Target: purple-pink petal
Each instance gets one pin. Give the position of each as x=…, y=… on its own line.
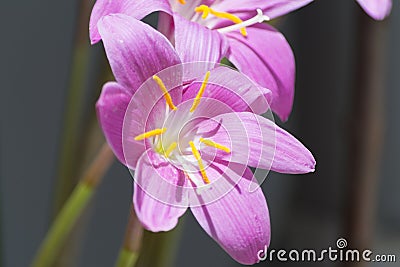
x=259, y=142
x=166, y=26
x=194, y=42
x=187, y=10
x=151, y=194
x=271, y=8
x=234, y=89
x=238, y=221
x=111, y=108
x=377, y=9
x=266, y=57
x=134, y=49
x=137, y=9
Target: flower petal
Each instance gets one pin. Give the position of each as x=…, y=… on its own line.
x=232, y=88
x=266, y=57
x=166, y=26
x=239, y=221
x=194, y=42
x=158, y=197
x=135, y=50
x=111, y=108
x=377, y=9
x=271, y=8
x=259, y=142
x=187, y=10
x=137, y=9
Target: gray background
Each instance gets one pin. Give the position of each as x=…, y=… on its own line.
x=306, y=211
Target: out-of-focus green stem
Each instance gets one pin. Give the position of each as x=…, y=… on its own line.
x=63, y=224
x=163, y=244
x=75, y=116
x=72, y=209
x=67, y=166
x=129, y=252
x=80, y=136
x=126, y=258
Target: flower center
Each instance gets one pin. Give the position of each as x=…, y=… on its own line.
x=162, y=137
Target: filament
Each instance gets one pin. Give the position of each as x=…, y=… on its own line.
x=167, y=96
x=259, y=18
x=196, y=100
x=197, y=156
x=214, y=144
x=223, y=15
x=150, y=134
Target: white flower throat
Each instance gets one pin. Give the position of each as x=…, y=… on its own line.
x=169, y=142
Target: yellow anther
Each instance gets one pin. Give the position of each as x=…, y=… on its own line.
x=167, y=96
x=223, y=15
x=196, y=100
x=210, y=143
x=182, y=2
x=197, y=156
x=150, y=134
x=170, y=149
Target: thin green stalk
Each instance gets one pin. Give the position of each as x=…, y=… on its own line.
x=75, y=115
x=72, y=209
x=69, y=160
x=63, y=224
x=127, y=258
x=80, y=125
x=129, y=252
x=163, y=245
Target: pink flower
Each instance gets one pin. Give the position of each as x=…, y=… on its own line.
x=377, y=9
x=189, y=131
x=208, y=30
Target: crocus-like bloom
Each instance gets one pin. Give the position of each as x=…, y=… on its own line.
x=208, y=30
x=189, y=138
x=377, y=9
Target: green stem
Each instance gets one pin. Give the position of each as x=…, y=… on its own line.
x=129, y=252
x=162, y=244
x=73, y=208
x=63, y=225
x=127, y=258
x=74, y=126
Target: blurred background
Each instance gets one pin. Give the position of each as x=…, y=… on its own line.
x=345, y=110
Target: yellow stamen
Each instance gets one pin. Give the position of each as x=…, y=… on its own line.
x=150, y=134
x=182, y=2
x=167, y=96
x=196, y=100
x=197, y=156
x=223, y=15
x=214, y=144
x=170, y=149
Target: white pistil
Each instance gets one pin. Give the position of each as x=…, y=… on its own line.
x=259, y=18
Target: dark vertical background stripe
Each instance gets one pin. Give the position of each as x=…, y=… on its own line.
x=307, y=211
